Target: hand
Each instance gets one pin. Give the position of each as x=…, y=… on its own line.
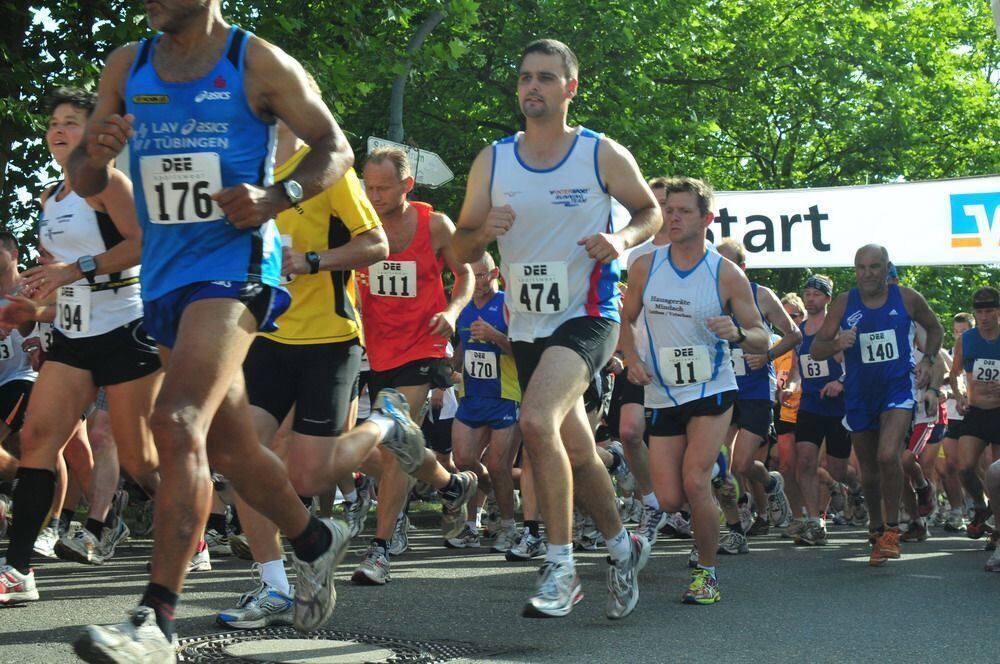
x=831, y=390
x=33, y=347
x=784, y=396
x=847, y=338
x=755, y=361
x=603, y=247
x=106, y=140
x=437, y=399
x=723, y=327
x=249, y=206
x=293, y=262
x=17, y=311
x=962, y=404
x=442, y=324
x=923, y=372
x=44, y=280
x=498, y=221
x=929, y=402
x=482, y=331
x=615, y=365
x=639, y=373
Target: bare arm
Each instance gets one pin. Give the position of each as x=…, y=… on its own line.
x=736, y=294
x=828, y=341
x=442, y=232
x=631, y=308
x=777, y=316
x=921, y=312
x=473, y=234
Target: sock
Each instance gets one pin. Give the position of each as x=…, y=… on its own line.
x=452, y=488
x=163, y=603
x=273, y=574
x=94, y=527
x=382, y=544
x=56, y=523
x=649, y=500
x=532, y=526
x=736, y=527
x=620, y=546
x=384, y=423
x=479, y=519
x=32, y=500
x=313, y=542
x=217, y=522
x=66, y=517
x=710, y=570
x=351, y=497
x=473, y=525
x=561, y=554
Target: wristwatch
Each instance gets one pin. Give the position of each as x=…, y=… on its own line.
x=313, y=259
x=88, y=266
x=743, y=335
x=770, y=356
x=293, y=191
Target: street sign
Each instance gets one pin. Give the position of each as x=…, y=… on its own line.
x=428, y=168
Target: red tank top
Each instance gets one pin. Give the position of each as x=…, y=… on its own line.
x=398, y=298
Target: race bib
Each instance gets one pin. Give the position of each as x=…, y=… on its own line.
x=481, y=364
x=45, y=336
x=393, y=278
x=73, y=309
x=878, y=346
x=538, y=288
x=179, y=187
x=986, y=370
x=813, y=369
x=6, y=348
x=685, y=365
x=739, y=363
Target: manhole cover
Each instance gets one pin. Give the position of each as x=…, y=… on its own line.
x=286, y=646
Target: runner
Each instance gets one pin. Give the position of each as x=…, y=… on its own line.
x=692, y=303
x=873, y=325
x=202, y=98
x=977, y=356
x=545, y=196
x=954, y=520
x=407, y=324
x=100, y=341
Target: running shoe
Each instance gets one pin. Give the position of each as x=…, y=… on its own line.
x=4, y=513
x=746, y=516
x=794, y=529
x=889, y=543
x=558, y=591
x=467, y=485
x=492, y=521
x=240, y=547
x=630, y=510
x=315, y=595
x=138, y=639
x=681, y=526
x=467, y=539
x=813, y=533
x=651, y=522
x=704, y=588
x=617, y=453
x=859, y=515
x=374, y=569
x=80, y=547
x=405, y=441
x=778, y=509
x=590, y=537
x=838, y=497
x=47, y=542
x=505, y=540
x=992, y=565
x=733, y=542
x=451, y=524
x=916, y=532
x=218, y=543
x=991, y=543
x=16, y=587
x=925, y=500
x=111, y=538
x=693, y=556
x=400, y=540
x=760, y=527
x=261, y=607
x=528, y=547
x=623, y=579
x=201, y=561
x=143, y=524
x=955, y=522
x=977, y=525
x=118, y=505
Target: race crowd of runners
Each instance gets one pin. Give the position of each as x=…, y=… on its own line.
x=290, y=338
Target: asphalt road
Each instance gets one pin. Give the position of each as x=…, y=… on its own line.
x=780, y=603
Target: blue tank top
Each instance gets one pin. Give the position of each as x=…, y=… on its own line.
x=486, y=371
x=814, y=376
x=754, y=383
x=192, y=140
x=981, y=357
x=883, y=353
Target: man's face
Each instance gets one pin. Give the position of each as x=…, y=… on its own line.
x=959, y=328
x=543, y=87
x=793, y=312
x=987, y=320
x=66, y=125
x=385, y=190
x=484, y=278
x=870, y=268
x=682, y=218
x=815, y=301
x=171, y=16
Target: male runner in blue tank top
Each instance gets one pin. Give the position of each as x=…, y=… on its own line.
x=873, y=325
x=199, y=101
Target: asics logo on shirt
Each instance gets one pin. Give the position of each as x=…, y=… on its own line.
x=209, y=95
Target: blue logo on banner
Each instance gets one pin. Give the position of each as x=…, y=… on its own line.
x=975, y=219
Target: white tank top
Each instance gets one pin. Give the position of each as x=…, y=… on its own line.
x=15, y=364
x=688, y=360
x=647, y=247
x=550, y=279
x=70, y=228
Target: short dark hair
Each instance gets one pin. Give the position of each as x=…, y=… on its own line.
x=962, y=317
x=8, y=241
x=679, y=185
x=85, y=100
x=555, y=47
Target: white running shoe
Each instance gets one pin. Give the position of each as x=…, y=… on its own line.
x=779, y=511
x=467, y=539
x=218, y=543
x=374, y=569
x=405, y=441
x=16, y=587
x=111, y=538
x=46, y=542
x=201, y=561
x=528, y=547
x=733, y=543
x=623, y=579
x=559, y=590
x=651, y=522
x=138, y=639
x=400, y=541
x=505, y=539
x=261, y=607
x=315, y=595
x=81, y=547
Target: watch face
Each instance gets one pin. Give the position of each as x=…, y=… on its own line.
x=294, y=190
x=88, y=264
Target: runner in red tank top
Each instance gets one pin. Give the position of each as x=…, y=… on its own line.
x=407, y=324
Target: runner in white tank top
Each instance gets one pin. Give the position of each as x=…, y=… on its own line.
x=545, y=195
x=685, y=294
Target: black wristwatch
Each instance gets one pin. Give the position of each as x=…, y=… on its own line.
x=88, y=266
x=313, y=259
x=743, y=335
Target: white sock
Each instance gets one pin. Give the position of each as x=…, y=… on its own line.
x=479, y=519
x=273, y=574
x=649, y=500
x=351, y=497
x=384, y=424
x=620, y=546
x=561, y=554
x=472, y=525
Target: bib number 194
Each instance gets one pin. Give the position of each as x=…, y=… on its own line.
x=73, y=309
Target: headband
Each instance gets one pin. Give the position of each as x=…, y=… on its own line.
x=821, y=285
x=986, y=304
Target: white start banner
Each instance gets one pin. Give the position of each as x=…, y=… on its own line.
x=939, y=222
